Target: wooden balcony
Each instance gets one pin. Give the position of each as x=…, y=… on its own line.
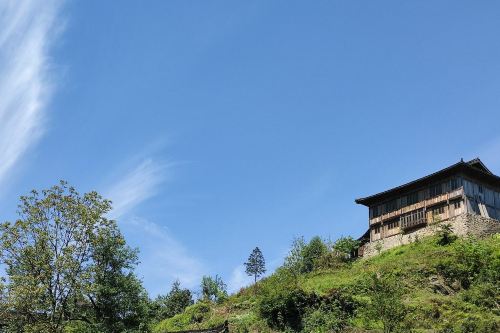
x=406, y=225
x=459, y=192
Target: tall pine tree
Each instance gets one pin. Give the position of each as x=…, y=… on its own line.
x=256, y=265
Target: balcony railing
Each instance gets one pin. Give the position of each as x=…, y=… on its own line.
x=421, y=204
x=405, y=225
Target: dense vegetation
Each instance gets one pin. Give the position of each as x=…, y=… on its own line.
x=438, y=284
x=69, y=269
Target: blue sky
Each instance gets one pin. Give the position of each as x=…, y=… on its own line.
x=218, y=126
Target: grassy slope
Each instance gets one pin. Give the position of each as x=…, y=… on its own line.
x=414, y=264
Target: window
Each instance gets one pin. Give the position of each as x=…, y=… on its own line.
x=377, y=229
x=393, y=224
x=390, y=206
x=412, y=198
x=454, y=183
x=375, y=211
x=480, y=189
x=438, y=210
x=457, y=204
x=435, y=190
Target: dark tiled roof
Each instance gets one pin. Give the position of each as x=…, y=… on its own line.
x=474, y=168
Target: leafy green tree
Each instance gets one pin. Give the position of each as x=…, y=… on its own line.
x=312, y=252
x=68, y=266
x=294, y=261
x=345, y=247
x=256, y=264
x=118, y=301
x=175, y=302
x=48, y=254
x=213, y=289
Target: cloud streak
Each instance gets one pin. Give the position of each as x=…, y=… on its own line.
x=28, y=28
x=163, y=258
x=137, y=186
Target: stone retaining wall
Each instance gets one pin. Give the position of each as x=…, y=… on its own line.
x=462, y=225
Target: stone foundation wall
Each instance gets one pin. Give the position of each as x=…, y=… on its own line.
x=462, y=225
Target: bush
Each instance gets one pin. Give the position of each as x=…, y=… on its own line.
x=194, y=315
x=330, y=260
x=386, y=303
x=332, y=313
x=285, y=309
x=470, y=261
x=213, y=289
x=484, y=295
x=445, y=235
x=297, y=310
x=324, y=319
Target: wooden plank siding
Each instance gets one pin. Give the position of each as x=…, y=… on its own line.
x=464, y=187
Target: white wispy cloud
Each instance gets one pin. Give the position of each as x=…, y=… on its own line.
x=27, y=29
x=138, y=185
x=163, y=259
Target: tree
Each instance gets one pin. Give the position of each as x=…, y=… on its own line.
x=67, y=264
x=294, y=261
x=312, y=252
x=118, y=301
x=175, y=302
x=256, y=264
x=345, y=247
x=48, y=254
x=213, y=289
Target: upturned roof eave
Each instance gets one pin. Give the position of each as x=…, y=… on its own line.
x=455, y=168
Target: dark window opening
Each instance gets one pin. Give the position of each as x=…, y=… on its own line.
x=412, y=198
x=454, y=183
x=438, y=210
x=390, y=206
x=436, y=190
x=393, y=224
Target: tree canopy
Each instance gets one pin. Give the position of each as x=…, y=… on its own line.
x=67, y=264
x=256, y=264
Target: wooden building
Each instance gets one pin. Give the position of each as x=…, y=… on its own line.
x=462, y=188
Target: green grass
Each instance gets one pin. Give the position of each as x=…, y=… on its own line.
x=413, y=264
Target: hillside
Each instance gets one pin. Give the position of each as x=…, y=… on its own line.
x=420, y=287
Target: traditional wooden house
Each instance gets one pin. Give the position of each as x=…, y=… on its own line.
x=466, y=194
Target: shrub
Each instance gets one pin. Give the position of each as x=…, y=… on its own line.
x=330, y=260
x=445, y=235
x=470, y=260
x=324, y=319
x=193, y=315
x=285, y=309
x=386, y=303
x=213, y=289
x=297, y=310
x=483, y=294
